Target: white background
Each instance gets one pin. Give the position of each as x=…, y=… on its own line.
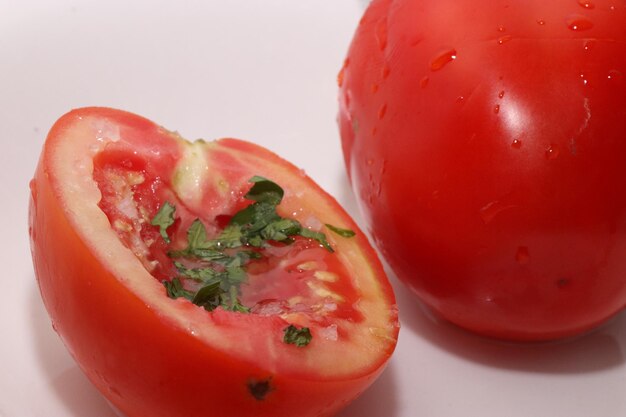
x=262, y=70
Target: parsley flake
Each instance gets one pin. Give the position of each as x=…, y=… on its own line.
x=218, y=266
x=174, y=289
x=164, y=219
x=341, y=232
x=299, y=337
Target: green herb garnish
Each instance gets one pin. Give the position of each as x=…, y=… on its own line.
x=219, y=265
x=164, y=219
x=341, y=232
x=299, y=337
x=174, y=289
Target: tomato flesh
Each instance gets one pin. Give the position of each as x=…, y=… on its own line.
x=102, y=177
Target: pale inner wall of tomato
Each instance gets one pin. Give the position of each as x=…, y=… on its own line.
x=301, y=282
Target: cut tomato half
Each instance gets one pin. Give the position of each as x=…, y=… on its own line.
x=205, y=278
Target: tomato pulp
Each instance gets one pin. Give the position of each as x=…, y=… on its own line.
x=485, y=143
x=170, y=296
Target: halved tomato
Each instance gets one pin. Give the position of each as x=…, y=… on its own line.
x=203, y=279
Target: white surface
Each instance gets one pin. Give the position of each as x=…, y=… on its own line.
x=263, y=70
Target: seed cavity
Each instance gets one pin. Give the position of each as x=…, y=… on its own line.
x=308, y=266
x=321, y=291
x=326, y=276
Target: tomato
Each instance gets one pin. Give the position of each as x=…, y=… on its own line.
x=485, y=143
x=127, y=220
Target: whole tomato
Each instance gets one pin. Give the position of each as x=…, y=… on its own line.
x=486, y=143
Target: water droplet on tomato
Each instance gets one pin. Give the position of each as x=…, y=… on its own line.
x=383, y=168
x=586, y=4
x=114, y=391
x=370, y=162
x=522, y=256
x=589, y=44
x=504, y=39
x=501, y=94
x=55, y=327
x=584, y=79
x=516, y=143
x=496, y=109
x=541, y=22
x=491, y=210
x=342, y=72
x=385, y=71
x=415, y=41
x=615, y=76
x=553, y=152
x=355, y=125
x=382, y=111
x=340, y=77
x=424, y=82
x=501, y=29
x=579, y=23
x=381, y=33
x=460, y=99
x=611, y=7
x=442, y=59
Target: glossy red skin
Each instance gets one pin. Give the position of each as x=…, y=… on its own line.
x=143, y=365
x=493, y=182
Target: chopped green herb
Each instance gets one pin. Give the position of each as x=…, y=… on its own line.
x=209, y=296
x=319, y=236
x=174, y=289
x=281, y=230
x=236, y=274
x=341, y=232
x=164, y=219
x=231, y=302
x=196, y=236
x=265, y=191
x=299, y=337
x=197, y=274
x=229, y=238
x=220, y=264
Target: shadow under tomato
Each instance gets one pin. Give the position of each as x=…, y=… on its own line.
x=599, y=350
x=379, y=400
x=66, y=380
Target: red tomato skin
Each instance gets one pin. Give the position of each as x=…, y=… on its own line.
x=140, y=362
x=485, y=143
